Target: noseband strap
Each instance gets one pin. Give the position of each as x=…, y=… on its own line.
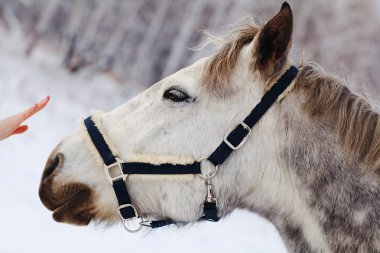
x=126, y=209
x=233, y=140
x=162, y=169
x=99, y=142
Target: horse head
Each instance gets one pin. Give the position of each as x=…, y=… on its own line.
x=289, y=170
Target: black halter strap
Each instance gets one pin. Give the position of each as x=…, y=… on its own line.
x=237, y=137
x=233, y=140
x=126, y=209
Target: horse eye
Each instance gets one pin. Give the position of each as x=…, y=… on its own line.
x=175, y=95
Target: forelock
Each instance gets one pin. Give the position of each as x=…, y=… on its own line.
x=219, y=68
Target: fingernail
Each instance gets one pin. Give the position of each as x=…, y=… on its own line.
x=45, y=100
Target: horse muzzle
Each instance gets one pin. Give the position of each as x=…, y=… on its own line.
x=70, y=202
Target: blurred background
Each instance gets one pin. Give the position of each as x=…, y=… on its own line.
x=98, y=54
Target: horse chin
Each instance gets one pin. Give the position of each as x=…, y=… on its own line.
x=78, y=210
x=71, y=203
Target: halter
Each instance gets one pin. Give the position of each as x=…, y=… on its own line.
x=233, y=140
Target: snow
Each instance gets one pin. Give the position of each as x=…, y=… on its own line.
x=26, y=225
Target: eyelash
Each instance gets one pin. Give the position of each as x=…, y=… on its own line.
x=175, y=95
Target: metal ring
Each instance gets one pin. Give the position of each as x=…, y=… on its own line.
x=138, y=224
x=212, y=173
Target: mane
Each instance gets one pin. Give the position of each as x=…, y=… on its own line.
x=219, y=68
x=355, y=121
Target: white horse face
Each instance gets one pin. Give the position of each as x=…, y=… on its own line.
x=177, y=120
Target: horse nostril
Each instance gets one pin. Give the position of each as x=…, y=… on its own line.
x=51, y=165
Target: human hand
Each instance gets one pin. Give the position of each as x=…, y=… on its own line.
x=12, y=125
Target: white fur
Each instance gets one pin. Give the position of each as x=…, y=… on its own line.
x=152, y=129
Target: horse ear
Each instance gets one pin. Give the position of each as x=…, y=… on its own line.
x=274, y=42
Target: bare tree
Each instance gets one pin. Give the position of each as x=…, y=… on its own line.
x=142, y=41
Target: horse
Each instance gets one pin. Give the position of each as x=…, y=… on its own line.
x=310, y=165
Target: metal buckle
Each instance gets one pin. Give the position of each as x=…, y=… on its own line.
x=246, y=127
x=133, y=224
x=134, y=210
x=119, y=165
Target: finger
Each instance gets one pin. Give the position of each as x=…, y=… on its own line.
x=20, y=129
x=35, y=108
x=41, y=105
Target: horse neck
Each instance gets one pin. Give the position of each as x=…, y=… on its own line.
x=319, y=199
